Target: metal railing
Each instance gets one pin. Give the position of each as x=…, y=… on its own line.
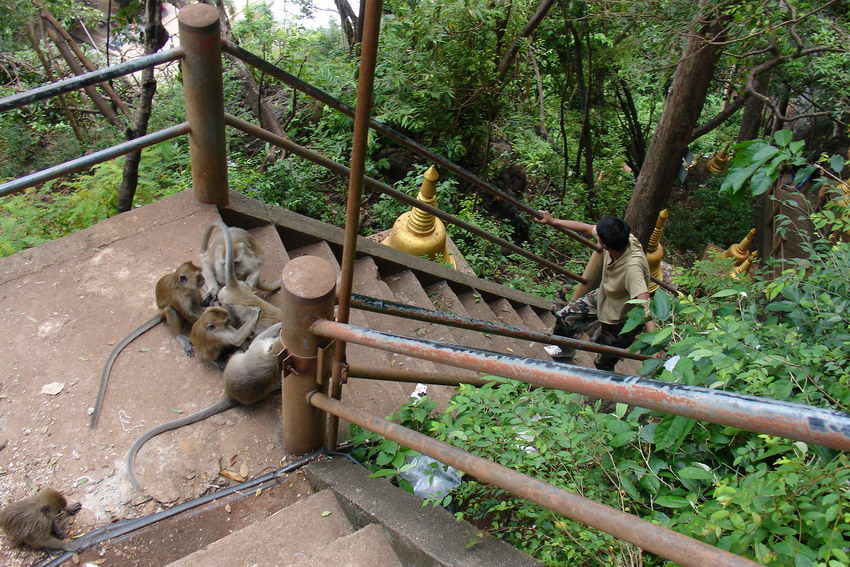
x=312, y=381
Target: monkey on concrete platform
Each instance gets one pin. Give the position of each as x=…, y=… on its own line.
x=238, y=297
x=249, y=377
x=248, y=258
x=179, y=304
x=214, y=335
x=32, y=521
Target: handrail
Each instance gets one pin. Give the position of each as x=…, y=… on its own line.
x=826, y=427
x=656, y=539
x=385, y=306
x=88, y=79
x=85, y=162
x=343, y=170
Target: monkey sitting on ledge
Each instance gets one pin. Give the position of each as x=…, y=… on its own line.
x=32, y=521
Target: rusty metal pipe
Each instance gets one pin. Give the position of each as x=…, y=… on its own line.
x=95, y=77
x=830, y=428
x=359, y=147
x=94, y=158
x=200, y=38
x=646, y=535
x=342, y=170
x=375, y=305
x=396, y=375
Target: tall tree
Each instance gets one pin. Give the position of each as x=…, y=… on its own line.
x=155, y=37
x=682, y=107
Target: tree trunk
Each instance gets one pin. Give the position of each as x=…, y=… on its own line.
x=348, y=22
x=250, y=90
x=75, y=67
x=527, y=30
x=155, y=38
x=49, y=72
x=751, y=117
x=682, y=108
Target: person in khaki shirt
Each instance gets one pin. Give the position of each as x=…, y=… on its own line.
x=625, y=276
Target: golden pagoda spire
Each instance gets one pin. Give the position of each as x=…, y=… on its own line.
x=655, y=251
x=419, y=233
x=740, y=251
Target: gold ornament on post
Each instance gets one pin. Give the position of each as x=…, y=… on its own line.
x=655, y=251
x=741, y=251
x=744, y=268
x=419, y=233
x=719, y=162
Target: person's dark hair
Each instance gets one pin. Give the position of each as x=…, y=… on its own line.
x=613, y=232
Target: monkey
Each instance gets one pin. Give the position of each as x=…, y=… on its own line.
x=238, y=297
x=179, y=304
x=213, y=335
x=248, y=257
x=32, y=521
x=249, y=377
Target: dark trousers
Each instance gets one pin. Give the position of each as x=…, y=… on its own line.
x=580, y=315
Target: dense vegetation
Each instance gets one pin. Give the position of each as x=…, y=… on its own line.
x=571, y=113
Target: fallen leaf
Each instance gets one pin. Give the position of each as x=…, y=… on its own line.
x=509, y=349
x=145, y=349
x=3, y=396
x=233, y=460
x=53, y=388
x=228, y=508
x=243, y=470
x=84, y=359
x=33, y=319
x=259, y=491
x=177, y=410
x=326, y=513
x=232, y=476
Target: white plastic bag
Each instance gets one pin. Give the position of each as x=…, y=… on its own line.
x=429, y=477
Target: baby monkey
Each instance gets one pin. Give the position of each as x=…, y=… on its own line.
x=32, y=521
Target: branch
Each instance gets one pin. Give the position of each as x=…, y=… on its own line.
x=529, y=28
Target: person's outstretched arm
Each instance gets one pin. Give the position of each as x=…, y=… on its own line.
x=575, y=226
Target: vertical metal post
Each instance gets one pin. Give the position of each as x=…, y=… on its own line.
x=308, y=287
x=200, y=38
x=362, y=114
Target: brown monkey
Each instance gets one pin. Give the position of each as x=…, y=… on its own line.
x=213, y=334
x=248, y=257
x=179, y=304
x=249, y=377
x=32, y=521
x=238, y=297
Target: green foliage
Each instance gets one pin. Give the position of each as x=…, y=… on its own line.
x=59, y=208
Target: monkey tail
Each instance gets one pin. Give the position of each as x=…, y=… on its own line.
x=262, y=286
x=107, y=368
x=218, y=407
x=205, y=242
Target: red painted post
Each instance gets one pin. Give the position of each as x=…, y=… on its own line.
x=200, y=38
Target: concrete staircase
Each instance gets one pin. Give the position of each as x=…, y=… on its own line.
x=354, y=521
x=388, y=274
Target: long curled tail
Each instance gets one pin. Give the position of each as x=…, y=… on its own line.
x=107, y=368
x=218, y=407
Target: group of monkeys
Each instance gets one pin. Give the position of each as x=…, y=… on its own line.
x=214, y=312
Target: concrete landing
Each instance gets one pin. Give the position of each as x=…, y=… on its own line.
x=63, y=306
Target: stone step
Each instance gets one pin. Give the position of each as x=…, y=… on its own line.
x=276, y=257
x=407, y=289
x=295, y=533
x=478, y=309
x=443, y=298
x=506, y=314
x=531, y=320
x=367, y=547
x=320, y=248
x=421, y=535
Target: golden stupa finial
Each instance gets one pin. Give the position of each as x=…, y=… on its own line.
x=419, y=233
